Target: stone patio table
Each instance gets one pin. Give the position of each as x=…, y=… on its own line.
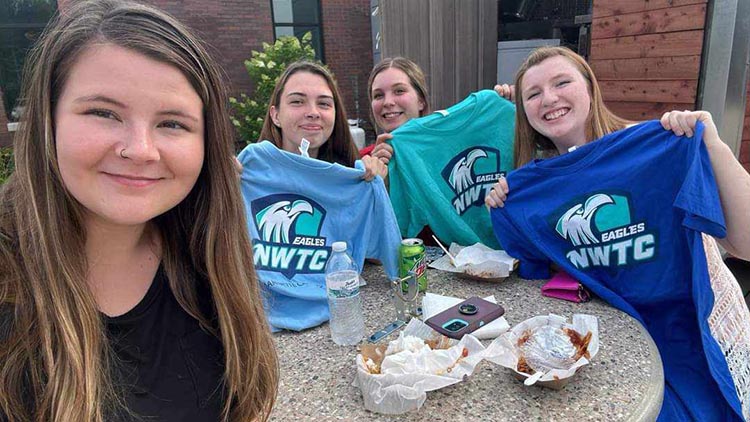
x=624, y=382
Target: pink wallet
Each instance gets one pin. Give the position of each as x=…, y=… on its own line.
x=563, y=286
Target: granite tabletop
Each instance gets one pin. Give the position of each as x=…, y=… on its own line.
x=624, y=382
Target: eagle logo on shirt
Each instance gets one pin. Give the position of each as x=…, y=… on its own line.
x=575, y=224
x=276, y=220
x=288, y=236
x=601, y=232
x=461, y=177
x=470, y=175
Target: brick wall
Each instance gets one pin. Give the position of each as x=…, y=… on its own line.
x=347, y=47
x=4, y=135
x=231, y=28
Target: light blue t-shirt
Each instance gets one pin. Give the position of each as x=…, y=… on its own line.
x=296, y=208
x=444, y=164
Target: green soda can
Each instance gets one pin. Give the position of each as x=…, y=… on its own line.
x=412, y=258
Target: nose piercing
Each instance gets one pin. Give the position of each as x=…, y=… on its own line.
x=122, y=154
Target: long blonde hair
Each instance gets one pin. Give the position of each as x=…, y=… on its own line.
x=529, y=143
x=340, y=147
x=55, y=362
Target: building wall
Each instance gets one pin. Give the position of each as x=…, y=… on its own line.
x=455, y=46
x=745, y=145
x=347, y=46
x=647, y=54
x=232, y=28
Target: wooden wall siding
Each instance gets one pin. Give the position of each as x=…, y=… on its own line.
x=650, y=68
x=646, y=54
x=617, y=8
x=659, y=91
x=671, y=19
x=673, y=44
x=454, y=42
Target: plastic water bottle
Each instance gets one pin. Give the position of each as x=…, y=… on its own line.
x=342, y=283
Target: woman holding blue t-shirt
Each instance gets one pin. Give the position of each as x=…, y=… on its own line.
x=306, y=104
x=559, y=109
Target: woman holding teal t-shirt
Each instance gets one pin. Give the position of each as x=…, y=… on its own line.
x=398, y=93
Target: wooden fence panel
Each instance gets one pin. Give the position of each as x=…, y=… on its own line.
x=622, y=7
x=647, y=54
x=687, y=43
x=466, y=39
x=678, y=91
x=651, y=68
x=672, y=19
x=442, y=52
x=488, y=53
x=640, y=111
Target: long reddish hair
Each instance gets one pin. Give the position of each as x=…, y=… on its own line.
x=529, y=143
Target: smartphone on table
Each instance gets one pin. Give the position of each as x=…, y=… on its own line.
x=465, y=317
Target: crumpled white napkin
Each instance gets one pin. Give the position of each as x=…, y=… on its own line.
x=433, y=304
x=476, y=260
x=408, y=376
x=479, y=253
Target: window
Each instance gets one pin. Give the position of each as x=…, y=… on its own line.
x=21, y=23
x=297, y=17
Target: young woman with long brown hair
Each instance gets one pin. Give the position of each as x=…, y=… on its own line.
x=564, y=82
x=127, y=288
x=397, y=89
x=696, y=315
x=306, y=104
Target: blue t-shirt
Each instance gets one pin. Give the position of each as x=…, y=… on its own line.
x=623, y=215
x=444, y=164
x=296, y=208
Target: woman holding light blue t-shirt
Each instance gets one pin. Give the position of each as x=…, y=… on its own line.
x=306, y=104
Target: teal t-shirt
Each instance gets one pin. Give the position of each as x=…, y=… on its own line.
x=446, y=162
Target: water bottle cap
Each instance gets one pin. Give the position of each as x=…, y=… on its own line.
x=339, y=246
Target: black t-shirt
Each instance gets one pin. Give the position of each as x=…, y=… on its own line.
x=167, y=366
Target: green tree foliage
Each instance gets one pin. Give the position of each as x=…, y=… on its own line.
x=264, y=69
x=6, y=164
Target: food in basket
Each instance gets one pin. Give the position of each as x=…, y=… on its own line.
x=547, y=347
x=373, y=357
